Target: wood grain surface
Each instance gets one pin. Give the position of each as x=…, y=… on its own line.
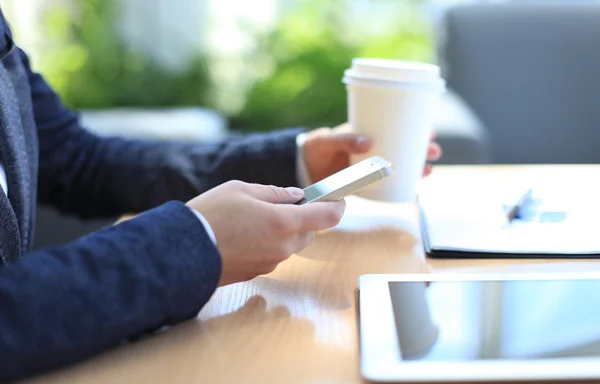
x=299, y=324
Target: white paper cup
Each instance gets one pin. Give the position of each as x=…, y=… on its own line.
x=392, y=102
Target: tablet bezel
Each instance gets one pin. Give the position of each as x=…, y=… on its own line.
x=380, y=358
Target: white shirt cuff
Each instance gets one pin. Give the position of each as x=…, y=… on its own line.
x=301, y=171
x=3, y=182
x=206, y=225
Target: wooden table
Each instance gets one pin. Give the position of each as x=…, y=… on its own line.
x=299, y=324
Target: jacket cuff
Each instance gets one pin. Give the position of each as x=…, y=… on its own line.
x=291, y=170
x=266, y=158
x=191, y=268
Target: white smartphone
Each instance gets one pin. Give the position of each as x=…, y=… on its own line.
x=348, y=181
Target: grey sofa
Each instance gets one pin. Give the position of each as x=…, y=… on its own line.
x=460, y=132
x=531, y=74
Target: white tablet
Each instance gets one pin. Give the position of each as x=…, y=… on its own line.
x=480, y=327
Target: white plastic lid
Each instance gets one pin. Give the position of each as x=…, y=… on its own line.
x=393, y=70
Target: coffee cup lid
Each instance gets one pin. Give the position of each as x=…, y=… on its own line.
x=393, y=70
x=437, y=85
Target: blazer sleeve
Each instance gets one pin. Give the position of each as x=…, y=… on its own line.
x=93, y=176
x=66, y=304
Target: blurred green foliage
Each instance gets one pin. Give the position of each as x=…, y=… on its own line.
x=307, y=53
x=91, y=67
x=295, y=69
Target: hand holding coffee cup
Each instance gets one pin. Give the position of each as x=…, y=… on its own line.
x=392, y=102
x=329, y=150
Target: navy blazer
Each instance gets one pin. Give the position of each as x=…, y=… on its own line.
x=65, y=304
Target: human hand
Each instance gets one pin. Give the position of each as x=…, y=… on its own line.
x=327, y=151
x=434, y=152
x=259, y=226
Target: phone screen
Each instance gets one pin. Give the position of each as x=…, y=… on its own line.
x=344, y=178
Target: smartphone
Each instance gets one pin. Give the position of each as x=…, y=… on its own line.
x=348, y=181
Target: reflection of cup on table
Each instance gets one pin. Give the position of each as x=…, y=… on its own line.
x=417, y=333
x=392, y=102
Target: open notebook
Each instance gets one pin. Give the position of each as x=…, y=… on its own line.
x=561, y=221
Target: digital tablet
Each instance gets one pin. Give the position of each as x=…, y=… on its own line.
x=540, y=327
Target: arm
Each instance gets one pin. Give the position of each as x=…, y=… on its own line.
x=68, y=303
x=92, y=176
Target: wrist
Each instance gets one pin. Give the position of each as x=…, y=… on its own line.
x=302, y=175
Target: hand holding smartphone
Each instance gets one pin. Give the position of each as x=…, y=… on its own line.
x=348, y=181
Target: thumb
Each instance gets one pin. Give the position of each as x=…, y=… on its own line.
x=276, y=195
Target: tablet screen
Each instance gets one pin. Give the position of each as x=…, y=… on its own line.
x=471, y=320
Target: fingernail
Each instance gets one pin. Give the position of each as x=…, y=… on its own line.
x=295, y=192
x=362, y=141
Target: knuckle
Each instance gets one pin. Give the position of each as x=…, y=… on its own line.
x=269, y=268
x=235, y=184
x=338, y=213
x=282, y=224
x=275, y=192
x=281, y=254
x=289, y=248
x=306, y=239
x=277, y=223
x=332, y=218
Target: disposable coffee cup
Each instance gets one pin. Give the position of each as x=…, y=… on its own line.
x=393, y=102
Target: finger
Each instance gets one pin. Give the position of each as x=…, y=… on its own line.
x=319, y=132
x=348, y=142
x=254, y=306
x=259, y=270
x=304, y=240
x=268, y=269
x=434, y=152
x=427, y=170
x=319, y=216
x=300, y=242
x=279, y=313
x=275, y=195
x=343, y=128
x=433, y=135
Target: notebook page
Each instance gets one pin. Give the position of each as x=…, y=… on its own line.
x=475, y=220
